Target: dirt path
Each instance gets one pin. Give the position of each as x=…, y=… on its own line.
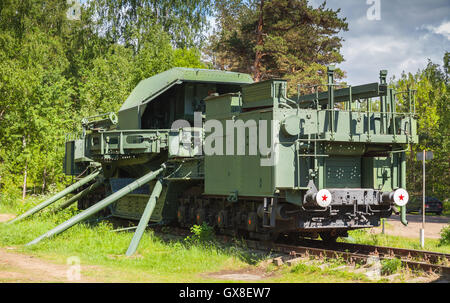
x=6, y=217
x=17, y=267
x=433, y=226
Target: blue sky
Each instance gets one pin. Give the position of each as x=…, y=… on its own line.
x=407, y=34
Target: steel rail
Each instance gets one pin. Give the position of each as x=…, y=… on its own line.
x=352, y=257
x=349, y=252
x=356, y=253
x=385, y=251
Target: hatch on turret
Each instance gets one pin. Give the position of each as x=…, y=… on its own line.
x=175, y=94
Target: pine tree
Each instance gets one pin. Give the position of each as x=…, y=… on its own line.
x=278, y=39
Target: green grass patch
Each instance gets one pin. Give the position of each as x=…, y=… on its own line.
x=302, y=268
x=390, y=266
x=303, y=272
x=363, y=236
x=97, y=244
x=158, y=260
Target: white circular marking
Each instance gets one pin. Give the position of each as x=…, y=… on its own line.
x=401, y=197
x=323, y=197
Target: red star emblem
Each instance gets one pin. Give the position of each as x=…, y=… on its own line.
x=401, y=197
x=324, y=197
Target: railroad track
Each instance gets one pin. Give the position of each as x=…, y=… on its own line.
x=359, y=253
x=388, y=252
x=350, y=252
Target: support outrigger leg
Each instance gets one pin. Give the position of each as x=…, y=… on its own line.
x=145, y=218
x=56, y=197
x=99, y=205
x=80, y=195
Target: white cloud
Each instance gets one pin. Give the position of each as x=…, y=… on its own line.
x=404, y=39
x=366, y=55
x=443, y=29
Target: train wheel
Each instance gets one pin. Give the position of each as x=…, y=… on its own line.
x=181, y=215
x=200, y=216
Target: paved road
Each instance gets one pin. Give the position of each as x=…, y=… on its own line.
x=428, y=218
x=433, y=226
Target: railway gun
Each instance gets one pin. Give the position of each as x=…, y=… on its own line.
x=190, y=146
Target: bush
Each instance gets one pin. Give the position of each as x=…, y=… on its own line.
x=446, y=207
x=445, y=236
x=390, y=266
x=202, y=235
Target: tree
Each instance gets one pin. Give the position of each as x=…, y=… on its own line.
x=34, y=104
x=54, y=71
x=129, y=21
x=278, y=39
x=433, y=114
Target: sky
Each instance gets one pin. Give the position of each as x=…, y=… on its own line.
x=397, y=35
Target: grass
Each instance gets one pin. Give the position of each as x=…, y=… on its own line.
x=156, y=260
x=390, y=266
x=97, y=245
x=329, y=272
x=363, y=236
